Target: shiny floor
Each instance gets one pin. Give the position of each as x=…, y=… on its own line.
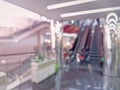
x=71, y=77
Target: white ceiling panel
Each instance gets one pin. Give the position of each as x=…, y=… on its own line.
x=40, y=7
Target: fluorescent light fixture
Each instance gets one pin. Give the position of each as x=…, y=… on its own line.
x=90, y=11
x=66, y=4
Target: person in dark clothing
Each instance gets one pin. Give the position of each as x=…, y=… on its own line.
x=98, y=21
x=102, y=62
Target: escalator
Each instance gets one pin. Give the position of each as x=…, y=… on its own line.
x=76, y=44
x=96, y=50
x=95, y=47
x=88, y=45
x=81, y=43
x=84, y=44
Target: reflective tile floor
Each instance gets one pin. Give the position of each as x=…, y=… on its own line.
x=71, y=77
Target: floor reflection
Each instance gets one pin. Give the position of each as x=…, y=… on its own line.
x=72, y=78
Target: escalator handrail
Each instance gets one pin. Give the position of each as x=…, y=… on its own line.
x=78, y=42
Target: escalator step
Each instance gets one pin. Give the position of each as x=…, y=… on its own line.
x=95, y=52
x=94, y=55
x=94, y=62
x=95, y=59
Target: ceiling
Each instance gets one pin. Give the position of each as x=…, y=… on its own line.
x=39, y=7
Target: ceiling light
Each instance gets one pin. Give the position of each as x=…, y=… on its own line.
x=90, y=11
x=66, y=4
x=3, y=61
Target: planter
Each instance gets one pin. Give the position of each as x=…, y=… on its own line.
x=3, y=81
x=42, y=70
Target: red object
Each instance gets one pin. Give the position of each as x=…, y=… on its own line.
x=81, y=58
x=66, y=55
x=71, y=29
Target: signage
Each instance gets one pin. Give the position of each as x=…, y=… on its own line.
x=112, y=20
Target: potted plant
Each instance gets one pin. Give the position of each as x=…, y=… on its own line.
x=39, y=58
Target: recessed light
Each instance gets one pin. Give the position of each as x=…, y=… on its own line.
x=3, y=61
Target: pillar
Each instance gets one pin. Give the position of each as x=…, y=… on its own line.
x=59, y=44
x=111, y=51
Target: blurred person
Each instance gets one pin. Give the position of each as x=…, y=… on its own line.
x=78, y=57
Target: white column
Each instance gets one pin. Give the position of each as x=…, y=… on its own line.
x=59, y=43
x=52, y=28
